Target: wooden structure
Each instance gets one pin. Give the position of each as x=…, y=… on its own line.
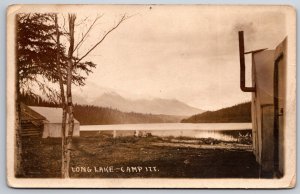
x=43, y=122
x=53, y=121
x=268, y=105
x=32, y=123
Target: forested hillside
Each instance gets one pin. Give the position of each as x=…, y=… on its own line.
x=240, y=113
x=93, y=115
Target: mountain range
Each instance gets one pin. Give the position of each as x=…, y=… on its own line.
x=146, y=106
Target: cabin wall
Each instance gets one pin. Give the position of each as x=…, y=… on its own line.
x=267, y=141
x=263, y=109
x=54, y=130
x=282, y=65
x=255, y=118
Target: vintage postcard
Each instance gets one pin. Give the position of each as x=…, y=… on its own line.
x=151, y=96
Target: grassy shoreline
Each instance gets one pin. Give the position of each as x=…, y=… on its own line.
x=148, y=157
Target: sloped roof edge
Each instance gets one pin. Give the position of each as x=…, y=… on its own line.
x=52, y=114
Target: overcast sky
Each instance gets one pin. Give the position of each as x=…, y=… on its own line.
x=180, y=52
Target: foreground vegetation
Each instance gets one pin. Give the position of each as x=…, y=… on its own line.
x=95, y=155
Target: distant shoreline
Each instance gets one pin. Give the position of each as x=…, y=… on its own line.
x=168, y=126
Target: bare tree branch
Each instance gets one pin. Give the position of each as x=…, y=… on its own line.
x=82, y=21
x=79, y=45
x=102, y=39
x=64, y=24
x=87, y=32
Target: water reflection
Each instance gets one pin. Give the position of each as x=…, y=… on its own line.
x=220, y=131
x=234, y=135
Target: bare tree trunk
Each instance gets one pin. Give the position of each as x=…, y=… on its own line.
x=18, y=143
x=69, y=103
x=72, y=18
x=18, y=147
x=63, y=102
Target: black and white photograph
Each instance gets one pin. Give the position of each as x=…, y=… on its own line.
x=151, y=96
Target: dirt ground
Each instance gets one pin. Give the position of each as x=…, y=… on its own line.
x=98, y=155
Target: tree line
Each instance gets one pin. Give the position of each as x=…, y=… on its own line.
x=240, y=113
x=102, y=115
x=94, y=115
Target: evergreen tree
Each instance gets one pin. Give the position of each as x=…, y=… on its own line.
x=36, y=54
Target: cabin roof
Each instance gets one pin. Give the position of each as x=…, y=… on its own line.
x=52, y=114
x=29, y=114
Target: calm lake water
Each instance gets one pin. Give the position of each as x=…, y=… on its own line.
x=221, y=131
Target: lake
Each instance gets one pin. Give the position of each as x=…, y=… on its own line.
x=221, y=131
